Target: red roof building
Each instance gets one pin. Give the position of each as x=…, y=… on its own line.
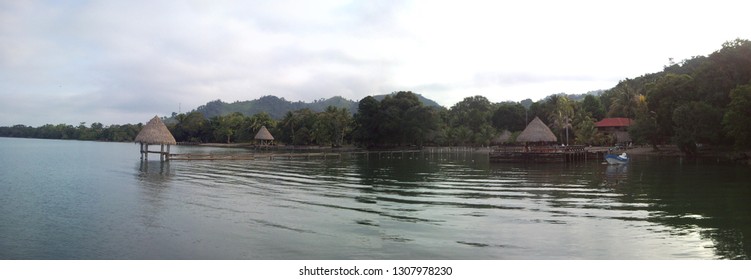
x=617, y=128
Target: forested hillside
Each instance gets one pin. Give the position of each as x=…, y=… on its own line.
x=702, y=100
x=277, y=107
x=274, y=106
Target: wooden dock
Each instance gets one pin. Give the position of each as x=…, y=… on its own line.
x=498, y=154
x=308, y=155
x=250, y=156
x=539, y=154
x=211, y=157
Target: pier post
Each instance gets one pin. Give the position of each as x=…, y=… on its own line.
x=167, y=156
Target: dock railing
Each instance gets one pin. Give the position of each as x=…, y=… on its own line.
x=540, y=149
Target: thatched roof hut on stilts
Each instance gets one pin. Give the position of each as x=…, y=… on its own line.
x=264, y=137
x=155, y=132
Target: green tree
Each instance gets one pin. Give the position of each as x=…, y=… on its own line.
x=509, y=116
x=561, y=116
x=593, y=106
x=644, y=129
x=586, y=131
x=665, y=95
x=475, y=113
x=696, y=122
x=296, y=127
x=394, y=110
x=225, y=127
x=423, y=125
x=398, y=119
x=737, y=119
x=624, y=99
x=723, y=71
x=332, y=126
x=367, y=122
x=191, y=127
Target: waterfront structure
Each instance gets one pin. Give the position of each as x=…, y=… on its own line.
x=540, y=145
x=155, y=132
x=536, y=132
x=264, y=137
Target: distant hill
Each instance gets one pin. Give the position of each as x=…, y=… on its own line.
x=572, y=97
x=580, y=97
x=425, y=101
x=276, y=107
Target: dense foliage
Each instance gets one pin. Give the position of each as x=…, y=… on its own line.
x=119, y=133
x=277, y=107
x=705, y=100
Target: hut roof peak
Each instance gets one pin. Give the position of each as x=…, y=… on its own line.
x=537, y=131
x=264, y=134
x=155, y=132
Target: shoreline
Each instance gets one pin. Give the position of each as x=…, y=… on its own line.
x=670, y=151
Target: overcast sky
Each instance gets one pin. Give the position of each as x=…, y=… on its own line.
x=118, y=62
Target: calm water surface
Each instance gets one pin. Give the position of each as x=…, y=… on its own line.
x=91, y=200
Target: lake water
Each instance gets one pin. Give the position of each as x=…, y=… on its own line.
x=91, y=200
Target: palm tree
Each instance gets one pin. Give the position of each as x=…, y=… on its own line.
x=625, y=100
x=562, y=115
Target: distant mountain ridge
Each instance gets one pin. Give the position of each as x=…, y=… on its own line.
x=276, y=107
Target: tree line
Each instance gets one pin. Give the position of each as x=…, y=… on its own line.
x=705, y=100
x=95, y=131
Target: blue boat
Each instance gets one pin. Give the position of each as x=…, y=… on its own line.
x=617, y=159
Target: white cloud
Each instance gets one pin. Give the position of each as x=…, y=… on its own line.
x=124, y=61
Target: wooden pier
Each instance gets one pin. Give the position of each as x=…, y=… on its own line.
x=498, y=154
x=250, y=156
x=539, y=154
x=413, y=153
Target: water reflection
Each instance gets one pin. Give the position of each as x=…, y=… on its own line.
x=703, y=197
x=153, y=171
x=615, y=175
x=153, y=178
x=454, y=206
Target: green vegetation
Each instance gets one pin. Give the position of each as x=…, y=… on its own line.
x=119, y=133
x=399, y=119
x=277, y=107
x=702, y=101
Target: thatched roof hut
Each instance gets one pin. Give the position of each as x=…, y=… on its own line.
x=155, y=132
x=264, y=136
x=536, y=131
x=504, y=137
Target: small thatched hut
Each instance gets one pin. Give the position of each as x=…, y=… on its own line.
x=155, y=132
x=264, y=137
x=536, y=131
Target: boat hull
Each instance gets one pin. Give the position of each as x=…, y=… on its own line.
x=614, y=159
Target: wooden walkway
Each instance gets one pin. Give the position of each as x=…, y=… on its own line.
x=250, y=156
x=539, y=154
x=411, y=153
x=499, y=154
